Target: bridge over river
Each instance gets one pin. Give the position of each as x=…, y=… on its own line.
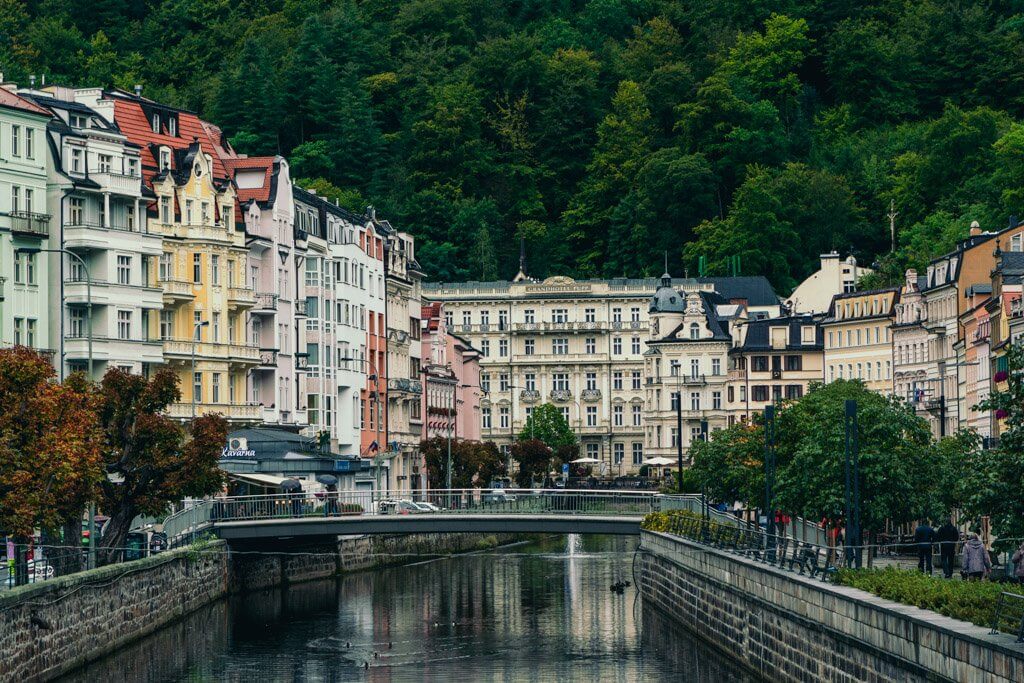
x=305, y=515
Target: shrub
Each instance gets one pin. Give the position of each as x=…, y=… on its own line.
x=972, y=601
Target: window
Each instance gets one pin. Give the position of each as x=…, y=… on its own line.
x=617, y=380
x=485, y=418
x=124, y=269
x=694, y=400
x=636, y=380
x=759, y=392
x=129, y=217
x=165, y=210
x=794, y=391
x=636, y=414
x=591, y=381
x=503, y=383
x=617, y=415
x=638, y=453
x=29, y=197
x=77, y=121
x=485, y=317
x=759, y=363
x=634, y=314
x=30, y=332
x=589, y=315
x=15, y=198
x=716, y=366
x=172, y=126
x=503, y=417
x=105, y=163
x=616, y=315
x=564, y=410
x=529, y=346
x=636, y=346
x=560, y=315
x=76, y=323
x=189, y=211
x=560, y=381
x=592, y=416
x=30, y=143
x=485, y=381
x=16, y=141
x=30, y=269
x=673, y=368
x=165, y=159
x=124, y=324
x=467, y=318
x=197, y=268
x=794, y=363
x=716, y=400
x=216, y=326
x=133, y=167
x=166, y=324
x=204, y=213
x=503, y=347
x=617, y=345
x=76, y=160
x=502, y=320
x=154, y=123
x=694, y=331
x=619, y=452
x=591, y=345
x=215, y=387
x=19, y=331
x=528, y=316
x=530, y=380
x=559, y=347
x=694, y=368
x=215, y=270
x=674, y=437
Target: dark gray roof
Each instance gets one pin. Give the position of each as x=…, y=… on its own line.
x=755, y=289
x=270, y=443
x=1012, y=262
x=758, y=336
x=666, y=299
x=716, y=324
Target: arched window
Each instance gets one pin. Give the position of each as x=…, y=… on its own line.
x=694, y=331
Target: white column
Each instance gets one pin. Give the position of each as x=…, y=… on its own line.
x=106, y=209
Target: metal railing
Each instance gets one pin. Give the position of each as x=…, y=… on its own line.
x=29, y=223
x=1008, y=615
x=439, y=501
x=185, y=525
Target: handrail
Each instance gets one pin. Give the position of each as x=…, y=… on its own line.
x=998, y=615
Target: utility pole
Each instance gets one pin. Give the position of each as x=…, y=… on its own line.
x=679, y=438
x=769, y=480
x=852, y=469
x=892, y=225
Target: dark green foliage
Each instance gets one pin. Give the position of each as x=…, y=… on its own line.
x=603, y=132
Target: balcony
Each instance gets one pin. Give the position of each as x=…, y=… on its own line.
x=302, y=362
x=265, y=304
x=244, y=353
x=213, y=232
x=1017, y=308
x=178, y=290
x=628, y=325
x=234, y=412
x=403, y=385
x=117, y=183
x=529, y=395
x=30, y=224
x=301, y=309
x=241, y=297
x=590, y=395
x=268, y=358
x=560, y=395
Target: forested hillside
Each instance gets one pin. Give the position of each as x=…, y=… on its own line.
x=602, y=131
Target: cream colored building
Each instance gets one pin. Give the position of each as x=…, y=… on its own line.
x=577, y=344
x=814, y=295
x=910, y=345
x=857, y=338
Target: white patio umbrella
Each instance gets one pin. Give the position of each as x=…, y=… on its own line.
x=659, y=461
x=585, y=461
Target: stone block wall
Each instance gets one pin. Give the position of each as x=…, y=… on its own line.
x=787, y=627
x=52, y=627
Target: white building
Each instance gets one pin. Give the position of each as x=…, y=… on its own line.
x=95, y=189
x=814, y=295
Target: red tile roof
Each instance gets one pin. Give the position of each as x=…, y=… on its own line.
x=265, y=164
x=133, y=123
x=13, y=101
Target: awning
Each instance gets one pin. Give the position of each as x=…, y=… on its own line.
x=659, y=461
x=258, y=479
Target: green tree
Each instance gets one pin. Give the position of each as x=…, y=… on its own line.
x=534, y=460
x=547, y=424
x=474, y=463
x=730, y=466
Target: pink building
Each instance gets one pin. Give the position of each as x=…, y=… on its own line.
x=451, y=372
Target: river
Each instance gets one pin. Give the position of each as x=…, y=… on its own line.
x=541, y=611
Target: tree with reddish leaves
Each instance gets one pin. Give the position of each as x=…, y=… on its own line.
x=151, y=460
x=50, y=448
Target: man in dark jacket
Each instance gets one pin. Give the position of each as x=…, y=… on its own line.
x=947, y=536
x=924, y=536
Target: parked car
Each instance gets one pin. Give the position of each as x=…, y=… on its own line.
x=399, y=507
x=497, y=496
x=427, y=507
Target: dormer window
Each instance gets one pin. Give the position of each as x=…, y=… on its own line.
x=133, y=167
x=694, y=331
x=78, y=121
x=165, y=159
x=77, y=156
x=172, y=126
x=105, y=163
x=154, y=122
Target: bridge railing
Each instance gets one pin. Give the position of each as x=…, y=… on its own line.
x=183, y=526
x=457, y=501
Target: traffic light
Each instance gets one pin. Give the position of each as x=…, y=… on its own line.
x=85, y=537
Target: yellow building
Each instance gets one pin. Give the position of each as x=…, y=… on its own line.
x=857, y=338
x=203, y=270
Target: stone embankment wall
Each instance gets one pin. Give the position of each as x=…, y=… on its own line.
x=787, y=627
x=50, y=628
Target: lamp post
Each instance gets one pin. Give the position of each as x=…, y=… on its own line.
x=30, y=251
x=852, y=470
x=196, y=326
x=769, y=480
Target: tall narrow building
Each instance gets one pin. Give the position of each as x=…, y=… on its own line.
x=203, y=270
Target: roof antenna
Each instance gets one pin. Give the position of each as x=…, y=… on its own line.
x=892, y=224
x=521, y=275
x=666, y=260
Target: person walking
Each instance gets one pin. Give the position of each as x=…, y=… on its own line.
x=947, y=536
x=974, y=559
x=1018, y=560
x=924, y=536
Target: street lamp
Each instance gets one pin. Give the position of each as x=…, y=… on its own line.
x=196, y=326
x=31, y=251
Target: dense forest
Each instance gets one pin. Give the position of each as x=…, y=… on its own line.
x=603, y=132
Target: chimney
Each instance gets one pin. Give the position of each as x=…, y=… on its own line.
x=32, y=81
x=975, y=228
x=138, y=90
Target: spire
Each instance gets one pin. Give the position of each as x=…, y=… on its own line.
x=666, y=279
x=521, y=275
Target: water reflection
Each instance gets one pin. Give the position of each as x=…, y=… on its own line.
x=541, y=611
